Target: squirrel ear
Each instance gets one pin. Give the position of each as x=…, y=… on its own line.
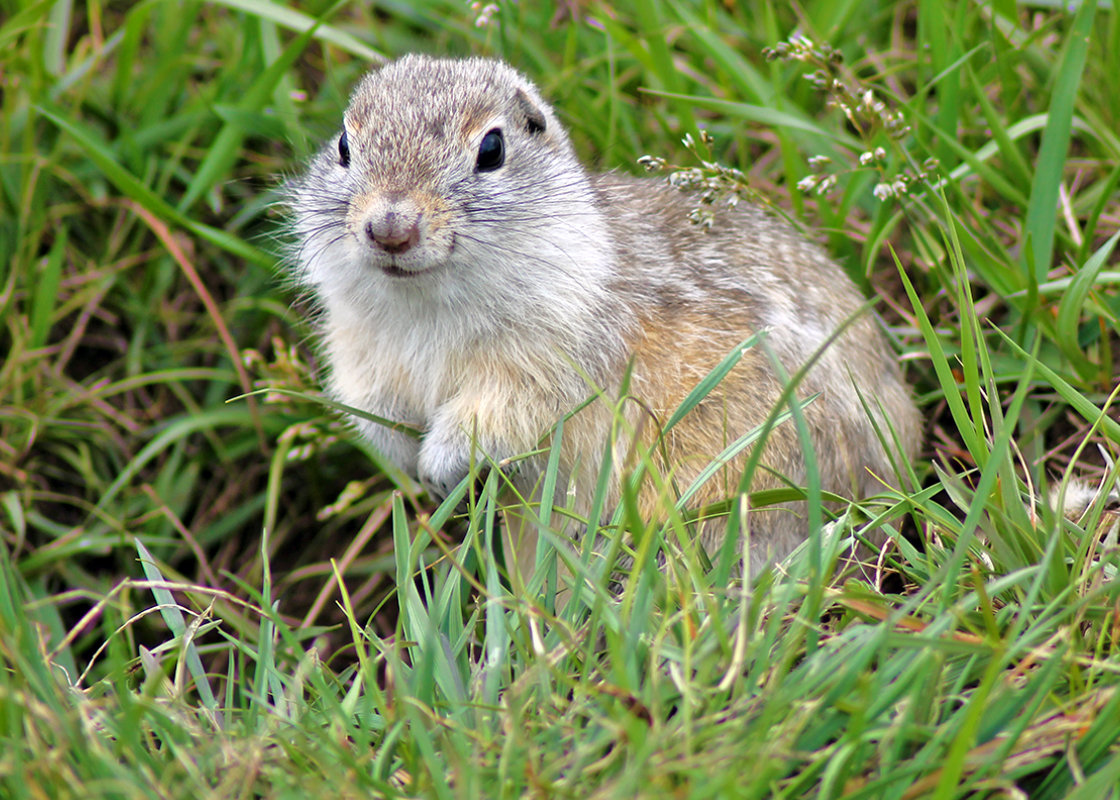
x=534, y=117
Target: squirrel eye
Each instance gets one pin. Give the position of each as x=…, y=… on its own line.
x=492, y=151
x=343, y=150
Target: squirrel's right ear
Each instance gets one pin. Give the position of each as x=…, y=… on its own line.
x=534, y=118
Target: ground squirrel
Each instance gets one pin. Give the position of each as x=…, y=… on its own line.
x=474, y=281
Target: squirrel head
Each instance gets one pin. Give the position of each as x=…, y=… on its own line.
x=420, y=119
x=451, y=185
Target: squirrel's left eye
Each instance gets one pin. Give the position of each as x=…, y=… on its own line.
x=492, y=151
x=343, y=150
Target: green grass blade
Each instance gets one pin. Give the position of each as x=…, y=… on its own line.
x=224, y=151
x=126, y=182
x=1077, y=401
x=302, y=23
x=1072, y=305
x=1041, y=218
x=711, y=380
x=173, y=617
x=940, y=362
x=46, y=292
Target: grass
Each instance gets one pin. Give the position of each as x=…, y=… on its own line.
x=204, y=598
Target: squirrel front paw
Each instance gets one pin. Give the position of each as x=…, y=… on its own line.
x=443, y=463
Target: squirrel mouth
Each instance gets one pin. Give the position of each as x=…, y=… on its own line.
x=400, y=273
x=396, y=272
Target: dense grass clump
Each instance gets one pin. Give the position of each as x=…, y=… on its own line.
x=207, y=596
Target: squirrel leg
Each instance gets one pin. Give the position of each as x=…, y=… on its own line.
x=399, y=448
x=446, y=453
x=484, y=423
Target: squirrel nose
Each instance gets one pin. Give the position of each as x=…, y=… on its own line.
x=393, y=232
